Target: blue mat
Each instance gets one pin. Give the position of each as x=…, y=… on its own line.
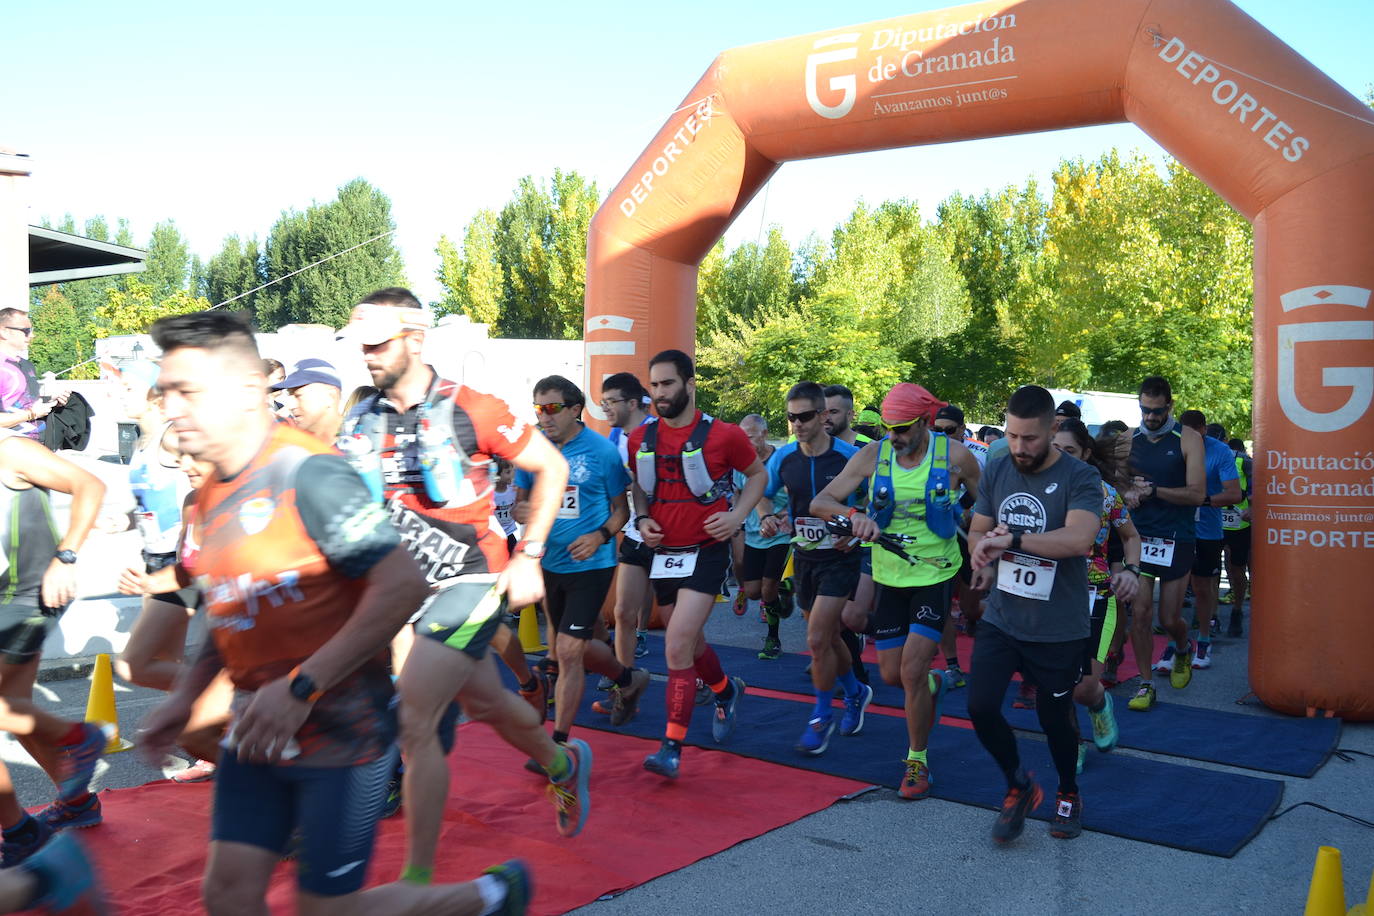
x=1122, y=796
x=1288, y=746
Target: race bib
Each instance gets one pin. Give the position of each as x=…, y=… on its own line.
x=1157, y=551
x=148, y=527
x=571, y=507
x=503, y=513
x=1230, y=518
x=813, y=531
x=673, y=564
x=1026, y=576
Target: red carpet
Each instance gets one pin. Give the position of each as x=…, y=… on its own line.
x=151, y=848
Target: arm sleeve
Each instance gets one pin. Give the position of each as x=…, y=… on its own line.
x=351, y=530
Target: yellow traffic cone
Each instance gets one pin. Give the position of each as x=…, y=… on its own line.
x=1326, y=895
x=100, y=704
x=1366, y=908
x=529, y=633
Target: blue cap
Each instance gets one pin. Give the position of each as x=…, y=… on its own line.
x=140, y=372
x=309, y=372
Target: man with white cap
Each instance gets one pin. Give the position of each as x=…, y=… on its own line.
x=310, y=394
x=425, y=446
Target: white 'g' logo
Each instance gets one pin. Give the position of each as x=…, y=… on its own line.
x=848, y=84
x=1359, y=379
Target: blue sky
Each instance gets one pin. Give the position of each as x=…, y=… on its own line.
x=221, y=120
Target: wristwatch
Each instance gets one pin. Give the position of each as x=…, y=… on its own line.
x=303, y=687
x=638, y=519
x=1016, y=540
x=605, y=533
x=66, y=556
x=1154, y=490
x=1131, y=568
x=532, y=549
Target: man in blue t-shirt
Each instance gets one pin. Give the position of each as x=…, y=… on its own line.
x=579, y=559
x=1223, y=489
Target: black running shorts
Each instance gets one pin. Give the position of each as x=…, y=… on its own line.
x=635, y=553
x=574, y=599
x=764, y=563
x=832, y=575
x=1237, y=546
x=1207, y=558
x=919, y=611
x=707, y=577
x=463, y=616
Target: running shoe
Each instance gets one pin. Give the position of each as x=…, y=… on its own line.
x=665, y=761
x=1224, y=599
x=12, y=852
x=1202, y=656
x=772, y=649
x=627, y=699
x=62, y=815
x=1183, y=669
x=69, y=880
x=605, y=705
x=1019, y=801
x=1105, y=732
x=741, y=603
x=200, y=771
x=76, y=762
x=605, y=683
x=816, y=738
x=915, y=781
x=955, y=675
x=727, y=713
x=1235, y=629
x=539, y=695
x=1025, y=696
x=852, y=722
x=1144, y=698
x=572, y=800
x=392, y=802
x=1082, y=755
x=1166, y=660
x=1110, y=677
x=1068, y=816
x=641, y=644
x=515, y=875
x=704, y=694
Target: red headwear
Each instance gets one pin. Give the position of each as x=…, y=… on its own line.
x=909, y=402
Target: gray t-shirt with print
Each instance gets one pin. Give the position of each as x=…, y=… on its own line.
x=1037, y=503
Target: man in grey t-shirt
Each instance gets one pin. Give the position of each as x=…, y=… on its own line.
x=1036, y=518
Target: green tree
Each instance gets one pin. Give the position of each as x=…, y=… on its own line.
x=749, y=280
x=472, y=278
x=748, y=366
x=233, y=271
x=133, y=309
x=326, y=293
x=60, y=338
x=168, y=268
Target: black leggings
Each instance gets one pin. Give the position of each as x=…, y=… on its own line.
x=1055, y=668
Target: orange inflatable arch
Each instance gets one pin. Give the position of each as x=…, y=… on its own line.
x=1278, y=140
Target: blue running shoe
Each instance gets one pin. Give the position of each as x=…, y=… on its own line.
x=853, y=720
x=14, y=851
x=664, y=761
x=1105, y=732
x=62, y=815
x=515, y=875
x=76, y=762
x=572, y=799
x=816, y=738
x=723, y=724
x=69, y=878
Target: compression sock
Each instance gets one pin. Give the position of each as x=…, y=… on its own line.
x=849, y=682
x=773, y=622
x=916, y=755
x=680, y=697
x=622, y=680
x=417, y=875
x=493, y=891
x=822, y=708
x=561, y=769
x=708, y=668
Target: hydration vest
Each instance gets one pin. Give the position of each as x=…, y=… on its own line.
x=696, y=474
x=942, y=513
x=443, y=461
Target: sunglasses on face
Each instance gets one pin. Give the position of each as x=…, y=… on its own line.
x=1154, y=411
x=947, y=430
x=899, y=429
x=549, y=409
x=806, y=416
x=27, y=332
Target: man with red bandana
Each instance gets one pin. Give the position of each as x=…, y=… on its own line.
x=916, y=479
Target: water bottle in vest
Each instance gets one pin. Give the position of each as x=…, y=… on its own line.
x=436, y=464
x=364, y=459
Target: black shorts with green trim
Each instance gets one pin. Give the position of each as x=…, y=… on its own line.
x=23, y=630
x=463, y=615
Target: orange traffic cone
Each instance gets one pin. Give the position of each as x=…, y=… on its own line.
x=529, y=631
x=100, y=704
x=1326, y=894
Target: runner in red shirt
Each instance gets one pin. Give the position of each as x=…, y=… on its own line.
x=305, y=582
x=689, y=526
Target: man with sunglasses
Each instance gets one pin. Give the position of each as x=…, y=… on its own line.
x=1170, y=467
x=826, y=576
x=914, y=478
x=579, y=559
x=682, y=477
x=624, y=402
x=425, y=446
x=21, y=409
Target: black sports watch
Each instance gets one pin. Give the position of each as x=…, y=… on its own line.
x=1016, y=540
x=1154, y=490
x=303, y=687
x=1131, y=568
x=606, y=536
x=66, y=556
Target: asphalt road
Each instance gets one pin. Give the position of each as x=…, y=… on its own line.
x=882, y=855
